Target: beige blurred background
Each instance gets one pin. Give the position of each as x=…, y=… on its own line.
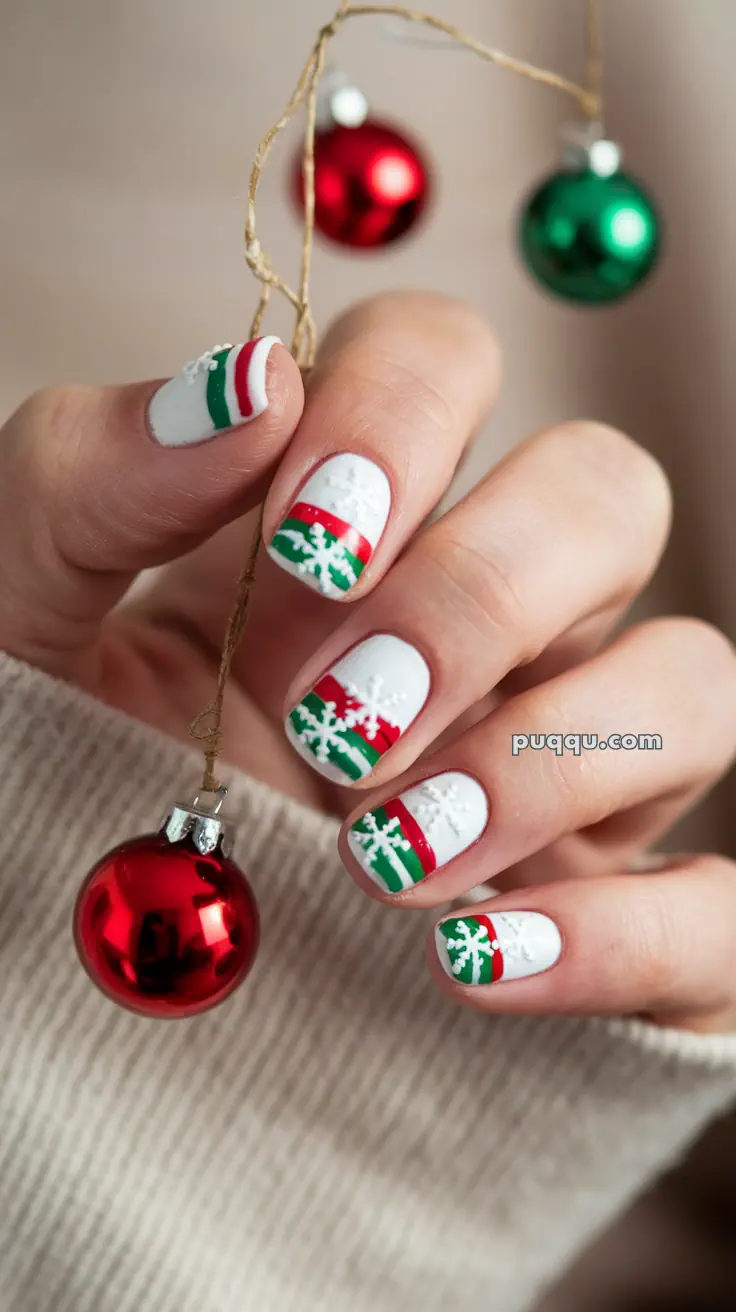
x=127, y=129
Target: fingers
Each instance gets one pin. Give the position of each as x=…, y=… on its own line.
x=667, y=689
x=570, y=524
x=401, y=384
x=96, y=484
x=660, y=944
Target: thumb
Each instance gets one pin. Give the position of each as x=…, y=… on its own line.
x=99, y=483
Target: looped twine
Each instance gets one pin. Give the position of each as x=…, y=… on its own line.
x=206, y=728
x=257, y=260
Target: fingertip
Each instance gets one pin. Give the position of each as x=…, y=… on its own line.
x=285, y=389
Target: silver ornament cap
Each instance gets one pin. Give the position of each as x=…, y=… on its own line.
x=586, y=147
x=339, y=102
x=203, y=823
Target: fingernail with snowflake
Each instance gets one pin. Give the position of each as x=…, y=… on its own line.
x=221, y=389
x=335, y=524
x=401, y=842
x=505, y=945
x=356, y=711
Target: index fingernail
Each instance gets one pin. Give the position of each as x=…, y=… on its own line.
x=333, y=527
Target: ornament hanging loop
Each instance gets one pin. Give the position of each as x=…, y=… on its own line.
x=219, y=793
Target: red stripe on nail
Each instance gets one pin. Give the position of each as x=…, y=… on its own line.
x=330, y=690
x=240, y=379
x=496, y=955
x=351, y=539
x=412, y=831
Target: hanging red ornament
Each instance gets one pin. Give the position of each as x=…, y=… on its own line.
x=166, y=924
x=371, y=182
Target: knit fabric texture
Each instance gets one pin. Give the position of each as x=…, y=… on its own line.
x=337, y=1137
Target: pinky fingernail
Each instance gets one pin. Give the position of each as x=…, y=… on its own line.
x=485, y=949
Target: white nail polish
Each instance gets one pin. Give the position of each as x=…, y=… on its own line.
x=402, y=841
x=334, y=525
x=222, y=389
x=359, y=708
x=505, y=945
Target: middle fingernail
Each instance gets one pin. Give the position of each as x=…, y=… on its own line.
x=334, y=526
x=402, y=841
x=359, y=708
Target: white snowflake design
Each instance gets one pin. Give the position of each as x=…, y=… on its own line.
x=373, y=705
x=354, y=500
x=324, y=732
x=204, y=364
x=382, y=840
x=516, y=945
x=321, y=731
x=320, y=556
x=472, y=946
x=442, y=806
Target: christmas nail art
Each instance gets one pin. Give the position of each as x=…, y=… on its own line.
x=359, y=708
x=401, y=842
x=482, y=949
x=334, y=526
x=221, y=389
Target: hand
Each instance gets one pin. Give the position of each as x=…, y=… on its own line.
x=492, y=622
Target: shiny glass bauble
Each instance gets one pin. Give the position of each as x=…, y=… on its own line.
x=165, y=930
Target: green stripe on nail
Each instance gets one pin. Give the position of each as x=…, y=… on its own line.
x=383, y=843
x=216, y=403
x=312, y=723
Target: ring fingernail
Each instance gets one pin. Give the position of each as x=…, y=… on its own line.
x=359, y=708
x=225, y=387
x=335, y=524
x=506, y=945
x=401, y=842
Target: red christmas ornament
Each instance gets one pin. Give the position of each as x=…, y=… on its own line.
x=165, y=924
x=371, y=183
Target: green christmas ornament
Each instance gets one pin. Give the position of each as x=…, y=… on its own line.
x=590, y=233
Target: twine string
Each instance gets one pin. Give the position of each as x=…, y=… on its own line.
x=593, y=60
x=206, y=728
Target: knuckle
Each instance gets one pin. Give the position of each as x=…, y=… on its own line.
x=698, y=691
x=49, y=454
x=571, y=790
x=52, y=411
x=403, y=310
x=714, y=867
x=697, y=643
x=712, y=646
x=397, y=350
x=481, y=588
x=655, y=941
x=410, y=396
x=383, y=389
x=616, y=473
x=613, y=453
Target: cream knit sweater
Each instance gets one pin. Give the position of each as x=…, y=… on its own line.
x=335, y=1138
